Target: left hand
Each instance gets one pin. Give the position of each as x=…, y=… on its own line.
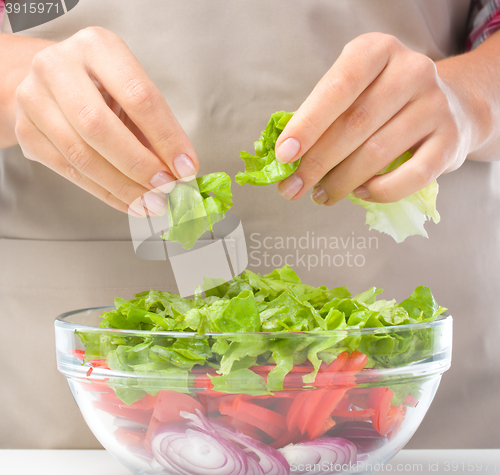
x=378, y=100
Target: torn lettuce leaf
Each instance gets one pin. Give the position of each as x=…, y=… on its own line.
x=405, y=217
x=399, y=220
x=195, y=206
x=262, y=168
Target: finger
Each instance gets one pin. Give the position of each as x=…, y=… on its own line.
x=359, y=64
x=397, y=136
x=87, y=112
x=85, y=159
x=381, y=101
x=428, y=162
x=127, y=82
x=36, y=146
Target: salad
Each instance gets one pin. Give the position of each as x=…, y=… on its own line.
x=256, y=374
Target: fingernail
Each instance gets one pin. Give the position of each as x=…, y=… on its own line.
x=287, y=150
x=290, y=187
x=136, y=209
x=155, y=203
x=362, y=193
x=184, y=166
x=163, y=182
x=319, y=196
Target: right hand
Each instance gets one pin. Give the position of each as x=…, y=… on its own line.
x=89, y=111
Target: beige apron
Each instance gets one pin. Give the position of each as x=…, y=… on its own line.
x=224, y=67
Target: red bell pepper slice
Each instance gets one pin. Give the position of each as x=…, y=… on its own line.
x=325, y=407
x=287, y=438
x=169, y=404
x=308, y=410
x=411, y=401
x=154, y=425
x=267, y=427
x=129, y=438
x=260, y=412
x=362, y=415
x=326, y=375
x=203, y=381
x=79, y=354
x=99, y=364
x=387, y=417
x=247, y=429
x=138, y=415
x=293, y=413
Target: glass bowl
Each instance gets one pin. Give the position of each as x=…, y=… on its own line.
x=352, y=416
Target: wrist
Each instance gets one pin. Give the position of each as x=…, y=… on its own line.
x=473, y=78
x=473, y=110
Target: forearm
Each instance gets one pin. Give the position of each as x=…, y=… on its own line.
x=473, y=77
x=16, y=55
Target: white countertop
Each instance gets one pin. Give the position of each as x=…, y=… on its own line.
x=99, y=462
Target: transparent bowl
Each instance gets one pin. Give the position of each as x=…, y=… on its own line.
x=353, y=416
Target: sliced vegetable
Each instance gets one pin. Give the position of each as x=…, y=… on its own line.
x=259, y=412
x=329, y=400
x=129, y=438
x=185, y=451
x=270, y=461
x=387, y=417
x=362, y=434
x=138, y=415
x=323, y=454
x=267, y=427
x=169, y=404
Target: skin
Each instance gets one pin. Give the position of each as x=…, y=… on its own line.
x=113, y=134
x=380, y=99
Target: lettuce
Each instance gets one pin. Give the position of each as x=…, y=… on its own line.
x=278, y=303
x=262, y=168
x=405, y=217
x=193, y=210
x=399, y=220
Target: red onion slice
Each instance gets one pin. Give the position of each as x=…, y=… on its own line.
x=270, y=461
x=320, y=456
x=364, y=436
x=192, y=452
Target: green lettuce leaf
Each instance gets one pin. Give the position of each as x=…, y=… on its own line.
x=195, y=206
x=263, y=168
x=240, y=381
x=405, y=217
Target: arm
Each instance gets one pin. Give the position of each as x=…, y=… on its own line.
x=16, y=55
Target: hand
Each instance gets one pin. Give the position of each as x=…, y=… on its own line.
x=378, y=100
x=89, y=111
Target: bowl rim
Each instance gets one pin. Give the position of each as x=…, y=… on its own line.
x=443, y=319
